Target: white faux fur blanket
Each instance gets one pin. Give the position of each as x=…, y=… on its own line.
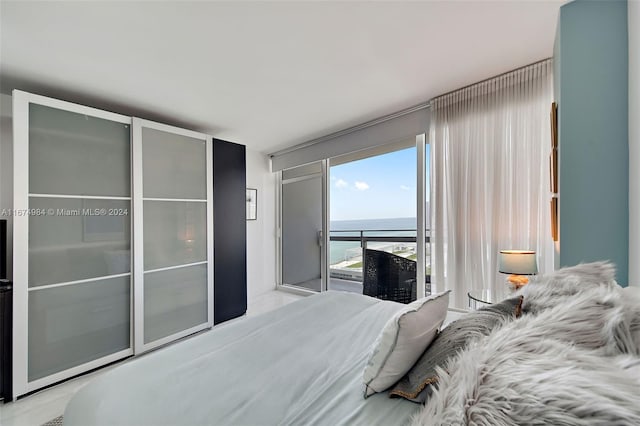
x=574, y=363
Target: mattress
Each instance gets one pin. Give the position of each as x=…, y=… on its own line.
x=300, y=364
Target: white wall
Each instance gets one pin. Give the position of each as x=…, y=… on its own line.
x=634, y=142
x=6, y=172
x=261, y=233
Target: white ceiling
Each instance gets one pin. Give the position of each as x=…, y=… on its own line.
x=265, y=74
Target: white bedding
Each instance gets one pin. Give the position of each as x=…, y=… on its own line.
x=300, y=364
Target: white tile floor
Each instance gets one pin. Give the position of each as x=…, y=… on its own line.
x=269, y=301
x=45, y=405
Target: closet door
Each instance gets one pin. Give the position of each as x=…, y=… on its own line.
x=72, y=240
x=173, y=227
x=230, y=230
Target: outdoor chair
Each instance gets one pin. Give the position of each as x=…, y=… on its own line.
x=387, y=276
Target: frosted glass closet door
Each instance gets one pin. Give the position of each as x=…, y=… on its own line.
x=174, y=282
x=72, y=240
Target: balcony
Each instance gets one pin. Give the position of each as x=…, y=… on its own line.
x=347, y=253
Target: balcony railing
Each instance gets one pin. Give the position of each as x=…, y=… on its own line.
x=349, y=267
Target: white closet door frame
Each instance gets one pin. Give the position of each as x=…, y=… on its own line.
x=138, y=232
x=21, y=384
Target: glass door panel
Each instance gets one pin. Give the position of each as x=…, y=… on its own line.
x=78, y=239
x=72, y=239
x=176, y=256
x=75, y=324
x=175, y=233
x=174, y=165
x=302, y=224
x=77, y=154
x=174, y=300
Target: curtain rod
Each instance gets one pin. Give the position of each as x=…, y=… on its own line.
x=489, y=79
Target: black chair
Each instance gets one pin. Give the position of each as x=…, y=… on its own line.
x=389, y=277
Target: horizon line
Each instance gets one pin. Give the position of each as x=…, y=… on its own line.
x=378, y=218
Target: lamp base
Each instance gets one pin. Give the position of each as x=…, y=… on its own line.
x=516, y=282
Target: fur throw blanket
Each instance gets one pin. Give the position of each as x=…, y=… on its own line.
x=573, y=358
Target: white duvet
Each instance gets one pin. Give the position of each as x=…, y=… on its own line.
x=299, y=365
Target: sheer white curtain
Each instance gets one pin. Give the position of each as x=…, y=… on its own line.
x=490, y=147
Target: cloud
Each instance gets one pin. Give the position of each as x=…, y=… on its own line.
x=340, y=183
x=361, y=186
x=405, y=187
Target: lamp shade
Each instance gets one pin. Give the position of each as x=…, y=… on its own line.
x=518, y=262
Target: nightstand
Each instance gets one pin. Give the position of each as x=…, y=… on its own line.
x=486, y=296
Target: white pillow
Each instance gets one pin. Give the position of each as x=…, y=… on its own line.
x=402, y=340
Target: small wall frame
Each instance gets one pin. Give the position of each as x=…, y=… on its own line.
x=252, y=204
x=553, y=158
x=554, y=218
x=554, y=125
x=553, y=171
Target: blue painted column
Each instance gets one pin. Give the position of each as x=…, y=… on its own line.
x=591, y=88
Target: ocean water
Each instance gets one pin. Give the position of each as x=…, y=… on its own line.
x=342, y=250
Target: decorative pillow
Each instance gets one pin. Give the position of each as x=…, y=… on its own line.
x=552, y=289
x=402, y=340
x=545, y=382
x=611, y=314
x=414, y=386
x=598, y=319
x=572, y=364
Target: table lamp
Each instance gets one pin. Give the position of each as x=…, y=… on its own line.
x=518, y=263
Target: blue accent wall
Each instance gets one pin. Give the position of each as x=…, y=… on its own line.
x=591, y=54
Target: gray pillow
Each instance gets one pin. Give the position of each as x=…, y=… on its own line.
x=415, y=385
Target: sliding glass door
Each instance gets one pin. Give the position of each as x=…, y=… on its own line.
x=375, y=202
x=72, y=240
x=302, y=218
x=173, y=225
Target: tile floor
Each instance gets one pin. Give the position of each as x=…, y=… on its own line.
x=47, y=404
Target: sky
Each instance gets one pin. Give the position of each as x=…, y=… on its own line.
x=378, y=187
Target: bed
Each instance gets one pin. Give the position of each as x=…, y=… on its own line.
x=565, y=349
x=300, y=364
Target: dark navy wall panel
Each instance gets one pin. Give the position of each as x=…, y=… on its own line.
x=229, y=230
